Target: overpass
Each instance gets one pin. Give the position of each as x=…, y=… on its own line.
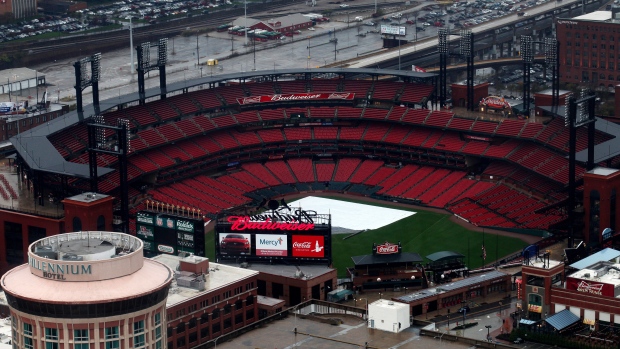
x=487, y=63
x=485, y=36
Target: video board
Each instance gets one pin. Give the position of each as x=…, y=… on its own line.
x=164, y=233
x=285, y=234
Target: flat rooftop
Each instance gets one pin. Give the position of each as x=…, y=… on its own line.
x=433, y=291
x=309, y=271
x=599, y=16
x=603, y=171
x=388, y=304
x=605, y=272
x=219, y=276
x=543, y=264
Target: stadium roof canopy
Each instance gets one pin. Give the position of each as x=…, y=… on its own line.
x=34, y=147
x=443, y=255
x=602, y=151
x=371, y=259
x=604, y=255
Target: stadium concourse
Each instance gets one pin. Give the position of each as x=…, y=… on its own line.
x=225, y=146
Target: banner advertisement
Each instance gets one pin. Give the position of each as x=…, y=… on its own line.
x=145, y=218
x=308, y=246
x=236, y=244
x=185, y=240
x=591, y=287
x=393, y=30
x=271, y=245
x=165, y=249
x=149, y=246
x=184, y=225
x=145, y=232
x=296, y=97
x=165, y=222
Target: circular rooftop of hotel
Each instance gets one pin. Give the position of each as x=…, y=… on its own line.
x=86, y=267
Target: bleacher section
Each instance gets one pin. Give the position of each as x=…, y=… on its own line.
x=205, y=131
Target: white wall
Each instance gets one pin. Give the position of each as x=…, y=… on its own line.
x=385, y=316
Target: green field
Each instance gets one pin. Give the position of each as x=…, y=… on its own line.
x=423, y=233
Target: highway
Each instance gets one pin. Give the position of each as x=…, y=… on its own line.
x=431, y=43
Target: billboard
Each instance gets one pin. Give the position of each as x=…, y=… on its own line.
x=393, y=30
x=235, y=244
x=283, y=233
x=308, y=246
x=271, y=245
x=165, y=233
x=590, y=287
x=296, y=97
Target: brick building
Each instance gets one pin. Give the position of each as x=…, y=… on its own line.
x=589, y=52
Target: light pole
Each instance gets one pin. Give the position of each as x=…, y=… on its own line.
x=216, y=341
x=488, y=332
x=399, y=41
x=197, y=50
x=308, y=61
x=464, y=311
x=366, y=304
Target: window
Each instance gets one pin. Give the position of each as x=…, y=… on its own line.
x=138, y=327
x=157, y=319
x=138, y=341
x=158, y=345
x=27, y=329
x=204, y=332
x=80, y=336
x=28, y=343
x=51, y=334
x=158, y=333
x=51, y=338
x=112, y=345
x=111, y=332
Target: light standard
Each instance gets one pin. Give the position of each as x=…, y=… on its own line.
x=216, y=341
x=399, y=41
x=366, y=304
x=488, y=332
x=308, y=62
x=464, y=311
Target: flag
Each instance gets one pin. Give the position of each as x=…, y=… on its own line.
x=484, y=253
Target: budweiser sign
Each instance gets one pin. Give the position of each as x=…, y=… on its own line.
x=296, y=97
x=587, y=287
x=246, y=223
x=495, y=102
x=386, y=248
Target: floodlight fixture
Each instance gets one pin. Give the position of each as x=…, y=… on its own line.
x=442, y=41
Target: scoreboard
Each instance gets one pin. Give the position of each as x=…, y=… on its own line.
x=283, y=234
x=165, y=233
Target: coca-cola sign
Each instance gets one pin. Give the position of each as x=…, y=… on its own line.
x=386, y=248
x=308, y=246
x=296, y=97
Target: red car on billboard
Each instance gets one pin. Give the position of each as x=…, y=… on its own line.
x=235, y=243
x=308, y=246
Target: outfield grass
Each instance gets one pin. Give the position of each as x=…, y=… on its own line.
x=423, y=233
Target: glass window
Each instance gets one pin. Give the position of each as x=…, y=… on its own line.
x=157, y=319
x=158, y=333
x=138, y=341
x=80, y=335
x=158, y=345
x=138, y=327
x=112, y=345
x=51, y=334
x=81, y=346
x=28, y=343
x=51, y=345
x=28, y=329
x=111, y=332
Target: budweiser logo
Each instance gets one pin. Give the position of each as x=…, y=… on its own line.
x=296, y=97
x=305, y=244
x=590, y=288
